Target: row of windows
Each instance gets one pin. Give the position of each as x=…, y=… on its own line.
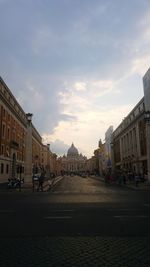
x=127, y=120
x=8, y=133
x=6, y=170
x=12, y=101
x=9, y=119
x=5, y=151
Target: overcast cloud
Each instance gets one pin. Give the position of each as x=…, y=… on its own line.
x=76, y=65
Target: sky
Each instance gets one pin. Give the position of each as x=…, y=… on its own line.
x=77, y=65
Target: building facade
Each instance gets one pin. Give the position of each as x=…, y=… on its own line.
x=22, y=152
x=108, y=144
x=129, y=142
x=100, y=159
x=13, y=130
x=73, y=162
x=146, y=85
x=131, y=139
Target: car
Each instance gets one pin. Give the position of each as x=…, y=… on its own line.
x=36, y=176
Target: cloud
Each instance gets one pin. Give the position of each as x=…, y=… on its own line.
x=44, y=38
x=91, y=129
x=76, y=65
x=58, y=146
x=80, y=86
x=140, y=65
x=83, y=99
x=32, y=97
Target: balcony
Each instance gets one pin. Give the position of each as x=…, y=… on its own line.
x=14, y=144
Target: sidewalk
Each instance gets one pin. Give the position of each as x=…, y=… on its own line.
x=47, y=186
x=143, y=186
x=28, y=187
x=78, y=251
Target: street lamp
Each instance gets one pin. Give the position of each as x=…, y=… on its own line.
x=28, y=161
x=29, y=117
x=147, y=117
x=147, y=120
x=112, y=147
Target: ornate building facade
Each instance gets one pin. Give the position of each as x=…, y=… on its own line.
x=73, y=162
x=129, y=142
x=131, y=145
x=22, y=152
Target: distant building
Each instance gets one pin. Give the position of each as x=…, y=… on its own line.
x=73, y=162
x=108, y=149
x=131, y=139
x=91, y=165
x=100, y=157
x=129, y=142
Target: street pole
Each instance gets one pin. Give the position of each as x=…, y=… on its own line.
x=28, y=165
x=148, y=148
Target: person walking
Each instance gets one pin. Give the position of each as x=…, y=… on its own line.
x=136, y=180
x=41, y=181
x=124, y=178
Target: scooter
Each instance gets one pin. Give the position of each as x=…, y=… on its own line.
x=15, y=183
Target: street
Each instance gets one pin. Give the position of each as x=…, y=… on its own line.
x=82, y=212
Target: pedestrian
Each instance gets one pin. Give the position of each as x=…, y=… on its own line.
x=136, y=179
x=120, y=178
x=41, y=181
x=124, y=178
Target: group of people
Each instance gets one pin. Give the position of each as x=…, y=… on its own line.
x=122, y=177
x=38, y=178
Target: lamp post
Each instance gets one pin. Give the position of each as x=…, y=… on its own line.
x=28, y=164
x=112, y=156
x=147, y=120
x=29, y=117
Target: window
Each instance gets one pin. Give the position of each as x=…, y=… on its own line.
x=7, y=151
x=2, y=149
x=2, y=168
x=3, y=130
x=8, y=133
x=4, y=113
x=8, y=117
x=139, y=109
x=2, y=89
x=7, y=168
x=14, y=135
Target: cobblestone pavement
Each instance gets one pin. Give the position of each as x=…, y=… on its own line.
x=75, y=251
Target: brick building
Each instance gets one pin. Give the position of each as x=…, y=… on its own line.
x=21, y=150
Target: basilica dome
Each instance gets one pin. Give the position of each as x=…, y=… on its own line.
x=72, y=151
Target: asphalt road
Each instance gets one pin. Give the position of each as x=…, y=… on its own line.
x=79, y=211
x=76, y=206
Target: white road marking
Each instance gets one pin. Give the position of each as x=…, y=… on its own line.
x=62, y=210
x=123, y=209
x=131, y=216
x=57, y=217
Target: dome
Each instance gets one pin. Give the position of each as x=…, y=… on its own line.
x=72, y=151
